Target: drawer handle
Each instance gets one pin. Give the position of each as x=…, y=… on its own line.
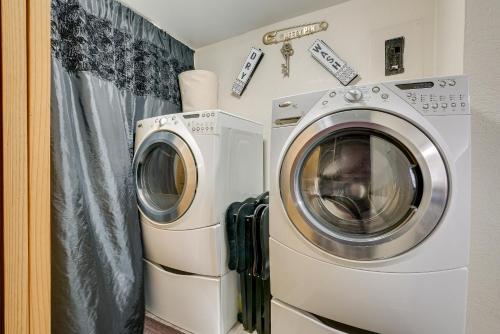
x=176, y=271
x=170, y=270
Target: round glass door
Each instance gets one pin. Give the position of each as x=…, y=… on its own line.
x=358, y=183
x=165, y=175
x=363, y=184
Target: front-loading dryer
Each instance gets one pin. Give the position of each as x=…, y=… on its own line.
x=370, y=204
x=188, y=168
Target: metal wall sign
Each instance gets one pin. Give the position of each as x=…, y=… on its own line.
x=247, y=71
x=287, y=34
x=332, y=62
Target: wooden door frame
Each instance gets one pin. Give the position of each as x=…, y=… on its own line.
x=25, y=40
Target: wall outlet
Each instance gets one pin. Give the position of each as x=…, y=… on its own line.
x=394, y=50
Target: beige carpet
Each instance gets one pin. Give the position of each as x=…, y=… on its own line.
x=154, y=327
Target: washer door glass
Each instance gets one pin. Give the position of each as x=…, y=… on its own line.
x=360, y=183
x=363, y=184
x=166, y=177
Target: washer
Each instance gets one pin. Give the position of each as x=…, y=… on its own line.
x=370, y=204
x=188, y=168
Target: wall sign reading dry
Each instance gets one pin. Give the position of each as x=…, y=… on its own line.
x=247, y=71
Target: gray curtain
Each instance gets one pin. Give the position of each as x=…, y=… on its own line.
x=110, y=68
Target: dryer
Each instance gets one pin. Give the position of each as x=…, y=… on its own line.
x=188, y=168
x=370, y=205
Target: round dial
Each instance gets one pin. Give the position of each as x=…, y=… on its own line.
x=353, y=95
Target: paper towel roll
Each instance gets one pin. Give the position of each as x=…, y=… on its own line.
x=198, y=90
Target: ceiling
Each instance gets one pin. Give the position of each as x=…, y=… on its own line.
x=202, y=22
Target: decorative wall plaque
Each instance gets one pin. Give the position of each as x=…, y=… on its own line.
x=287, y=34
x=247, y=71
x=332, y=62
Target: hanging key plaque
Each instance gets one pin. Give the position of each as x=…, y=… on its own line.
x=285, y=35
x=247, y=71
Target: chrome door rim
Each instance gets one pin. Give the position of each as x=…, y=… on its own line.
x=395, y=242
x=160, y=218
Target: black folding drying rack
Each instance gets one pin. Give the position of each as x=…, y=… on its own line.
x=247, y=225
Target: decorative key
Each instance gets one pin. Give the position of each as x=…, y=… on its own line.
x=287, y=52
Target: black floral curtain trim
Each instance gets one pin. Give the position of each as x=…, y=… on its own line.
x=85, y=42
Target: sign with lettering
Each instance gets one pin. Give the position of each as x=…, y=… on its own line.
x=247, y=71
x=332, y=62
x=286, y=34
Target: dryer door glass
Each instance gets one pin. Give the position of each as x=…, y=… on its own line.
x=165, y=176
x=360, y=183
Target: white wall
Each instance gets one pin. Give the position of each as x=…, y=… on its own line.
x=435, y=46
x=449, y=36
x=358, y=28
x=482, y=64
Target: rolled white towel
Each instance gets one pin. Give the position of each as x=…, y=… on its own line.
x=198, y=90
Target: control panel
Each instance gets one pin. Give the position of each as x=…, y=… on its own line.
x=204, y=122
x=440, y=96
x=158, y=122
x=430, y=97
x=354, y=94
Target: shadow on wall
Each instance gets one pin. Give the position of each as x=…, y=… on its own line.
x=485, y=230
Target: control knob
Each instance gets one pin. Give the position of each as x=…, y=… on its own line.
x=353, y=95
x=163, y=121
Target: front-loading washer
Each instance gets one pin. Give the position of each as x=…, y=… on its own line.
x=370, y=204
x=188, y=168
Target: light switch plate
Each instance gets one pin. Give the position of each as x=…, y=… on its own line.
x=394, y=55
